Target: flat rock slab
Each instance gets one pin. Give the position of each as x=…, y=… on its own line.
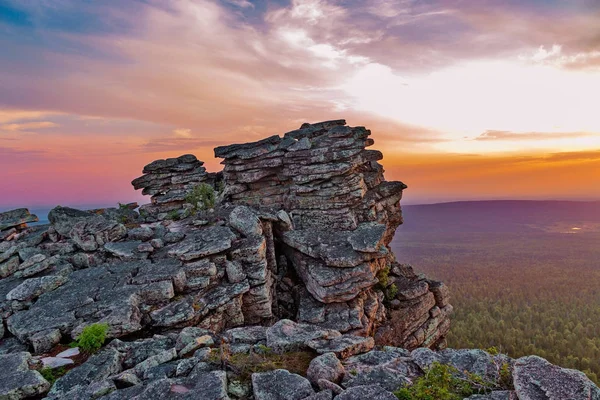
x=16, y=218
x=280, y=385
x=331, y=247
x=287, y=335
x=368, y=237
x=343, y=346
x=18, y=381
x=536, y=379
x=56, y=362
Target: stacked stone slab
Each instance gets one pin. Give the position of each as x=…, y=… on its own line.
x=344, y=216
x=168, y=182
x=322, y=174
x=14, y=221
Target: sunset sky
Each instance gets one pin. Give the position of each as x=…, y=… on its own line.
x=494, y=99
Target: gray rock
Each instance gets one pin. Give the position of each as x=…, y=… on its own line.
x=143, y=233
x=245, y=221
x=123, y=250
x=388, y=378
x=326, y=366
x=280, y=385
x=18, y=381
x=536, y=379
x=88, y=230
x=9, y=266
x=286, y=335
x=16, y=218
x=324, y=384
x=191, y=339
x=45, y=340
x=34, y=287
x=235, y=271
x=367, y=237
x=366, y=392
x=239, y=389
x=343, y=346
x=97, y=368
x=322, y=395
x=246, y=335
x=205, y=242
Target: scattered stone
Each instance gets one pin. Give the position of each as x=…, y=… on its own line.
x=18, y=380
x=288, y=335
x=16, y=218
x=366, y=392
x=280, y=385
x=343, y=346
x=326, y=366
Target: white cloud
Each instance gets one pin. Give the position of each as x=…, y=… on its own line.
x=183, y=133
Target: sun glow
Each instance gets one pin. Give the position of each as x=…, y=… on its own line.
x=468, y=99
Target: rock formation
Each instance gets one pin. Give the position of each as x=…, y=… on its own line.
x=168, y=182
x=344, y=215
x=293, y=259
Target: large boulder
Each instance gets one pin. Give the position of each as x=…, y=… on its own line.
x=537, y=379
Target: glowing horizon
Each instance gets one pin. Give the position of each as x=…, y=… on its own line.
x=465, y=101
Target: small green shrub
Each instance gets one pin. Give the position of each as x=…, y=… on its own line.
x=506, y=378
x=391, y=292
x=174, y=215
x=493, y=350
x=201, y=197
x=383, y=276
x=92, y=337
x=52, y=375
x=442, y=382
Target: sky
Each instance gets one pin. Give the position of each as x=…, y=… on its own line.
x=468, y=100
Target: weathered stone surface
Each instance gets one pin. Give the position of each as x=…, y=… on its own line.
x=34, y=287
x=245, y=221
x=366, y=392
x=343, y=346
x=88, y=231
x=18, y=380
x=368, y=237
x=388, y=378
x=288, y=335
x=322, y=395
x=537, y=379
x=98, y=367
x=280, y=385
x=205, y=242
x=16, y=218
x=326, y=366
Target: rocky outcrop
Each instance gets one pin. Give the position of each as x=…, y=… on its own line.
x=159, y=367
x=293, y=258
x=168, y=182
x=12, y=222
x=344, y=215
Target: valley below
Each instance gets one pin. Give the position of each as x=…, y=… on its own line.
x=521, y=280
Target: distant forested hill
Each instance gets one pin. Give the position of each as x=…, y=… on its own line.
x=502, y=216
x=521, y=277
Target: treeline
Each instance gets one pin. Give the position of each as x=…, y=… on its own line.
x=525, y=294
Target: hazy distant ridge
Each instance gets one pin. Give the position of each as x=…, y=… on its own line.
x=503, y=216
